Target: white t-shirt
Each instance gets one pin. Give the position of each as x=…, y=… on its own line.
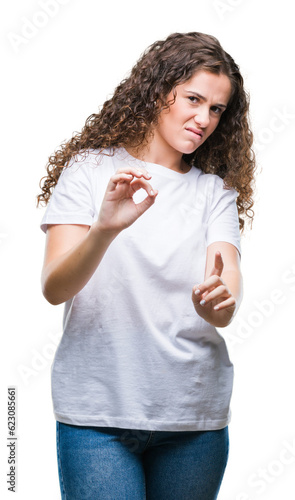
x=134, y=352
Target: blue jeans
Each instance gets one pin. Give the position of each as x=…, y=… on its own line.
x=109, y=463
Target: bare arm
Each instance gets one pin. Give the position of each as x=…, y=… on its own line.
x=73, y=252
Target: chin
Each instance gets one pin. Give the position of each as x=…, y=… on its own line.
x=189, y=148
x=188, y=151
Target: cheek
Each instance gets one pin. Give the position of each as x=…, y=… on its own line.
x=214, y=125
x=169, y=125
x=176, y=114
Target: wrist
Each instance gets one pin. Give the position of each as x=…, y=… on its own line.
x=101, y=232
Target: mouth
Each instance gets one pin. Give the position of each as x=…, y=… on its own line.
x=198, y=133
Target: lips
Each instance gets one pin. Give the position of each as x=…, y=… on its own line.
x=198, y=133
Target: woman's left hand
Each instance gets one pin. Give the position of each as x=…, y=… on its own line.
x=214, y=302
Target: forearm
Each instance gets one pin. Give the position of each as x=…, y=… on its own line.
x=66, y=275
x=234, y=282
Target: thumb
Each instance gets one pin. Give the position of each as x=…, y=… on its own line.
x=218, y=265
x=147, y=202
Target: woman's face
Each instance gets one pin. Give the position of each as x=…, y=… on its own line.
x=195, y=113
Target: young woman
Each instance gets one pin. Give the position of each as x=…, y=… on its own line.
x=143, y=246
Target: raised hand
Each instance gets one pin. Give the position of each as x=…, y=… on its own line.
x=212, y=299
x=118, y=210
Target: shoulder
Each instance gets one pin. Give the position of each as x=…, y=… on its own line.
x=89, y=157
x=216, y=185
x=209, y=179
x=214, y=192
x=87, y=164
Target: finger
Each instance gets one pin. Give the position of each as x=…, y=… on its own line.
x=208, y=285
x=136, y=172
x=226, y=303
x=198, y=296
x=218, y=293
x=147, y=202
x=137, y=184
x=117, y=178
x=218, y=265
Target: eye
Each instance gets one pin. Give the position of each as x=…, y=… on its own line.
x=216, y=110
x=193, y=99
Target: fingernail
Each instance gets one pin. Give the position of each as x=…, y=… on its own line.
x=144, y=172
x=203, y=302
x=197, y=291
x=152, y=193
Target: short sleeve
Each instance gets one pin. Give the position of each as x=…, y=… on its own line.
x=72, y=200
x=223, y=221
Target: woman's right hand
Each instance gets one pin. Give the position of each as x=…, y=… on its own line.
x=118, y=210
x=73, y=251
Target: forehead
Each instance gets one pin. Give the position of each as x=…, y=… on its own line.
x=209, y=85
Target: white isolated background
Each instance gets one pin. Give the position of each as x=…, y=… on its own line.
x=51, y=82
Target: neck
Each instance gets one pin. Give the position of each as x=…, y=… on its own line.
x=157, y=153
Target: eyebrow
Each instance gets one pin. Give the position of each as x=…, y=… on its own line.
x=204, y=98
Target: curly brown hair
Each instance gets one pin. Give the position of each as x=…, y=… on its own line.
x=129, y=117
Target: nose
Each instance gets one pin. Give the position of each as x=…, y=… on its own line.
x=202, y=117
